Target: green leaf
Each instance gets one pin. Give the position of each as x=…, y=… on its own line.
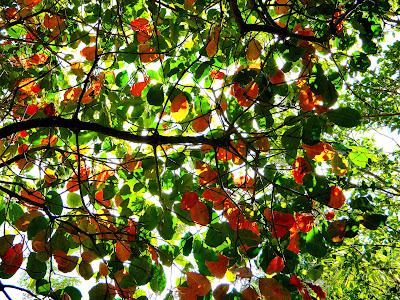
x=155, y=95
x=36, y=225
x=100, y=291
x=54, y=202
x=315, y=244
x=122, y=79
x=167, y=226
x=151, y=217
x=360, y=62
x=291, y=141
x=216, y=234
x=158, y=281
x=42, y=287
x=345, y=117
x=141, y=269
x=374, y=221
x=74, y=200
x=35, y=268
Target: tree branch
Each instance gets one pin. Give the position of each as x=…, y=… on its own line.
x=270, y=28
x=77, y=125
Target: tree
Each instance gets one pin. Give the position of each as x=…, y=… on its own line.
x=227, y=140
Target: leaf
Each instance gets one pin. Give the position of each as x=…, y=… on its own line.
x=150, y=218
x=141, y=270
x=74, y=200
x=35, y=268
x=360, y=62
x=271, y=289
x=276, y=265
x=54, y=202
x=102, y=291
x=253, y=51
x=155, y=95
x=12, y=259
x=345, y=117
x=374, y=221
x=218, y=268
x=216, y=234
x=122, y=79
x=85, y=270
x=122, y=250
x=158, y=281
x=200, y=214
x=199, y=282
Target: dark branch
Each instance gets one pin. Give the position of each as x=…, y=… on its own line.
x=77, y=125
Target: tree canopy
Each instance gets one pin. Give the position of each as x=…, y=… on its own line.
x=200, y=149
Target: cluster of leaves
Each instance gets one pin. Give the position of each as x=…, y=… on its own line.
x=209, y=137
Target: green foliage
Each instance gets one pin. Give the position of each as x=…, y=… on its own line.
x=156, y=147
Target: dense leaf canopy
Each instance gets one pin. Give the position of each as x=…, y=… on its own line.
x=200, y=149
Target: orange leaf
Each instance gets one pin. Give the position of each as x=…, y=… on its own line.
x=137, y=88
x=89, y=53
x=35, y=197
x=294, y=244
x=253, y=51
x=52, y=22
x=215, y=195
x=28, y=86
x=218, y=268
x=337, y=198
x=147, y=54
x=200, y=214
x=277, y=78
x=139, y=24
x=179, y=107
x=276, y=265
x=12, y=259
x=304, y=222
x=199, y=282
x=321, y=151
x=201, y=123
x=301, y=168
x=122, y=250
x=72, y=94
x=103, y=269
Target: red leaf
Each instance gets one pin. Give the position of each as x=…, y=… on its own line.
x=271, y=289
x=199, y=283
x=189, y=200
x=122, y=251
x=139, y=24
x=281, y=222
x=49, y=110
x=200, y=214
x=214, y=74
x=337, y=198
x=218, y=268
x=294, y=244
x=276, y=265
x=277, y=78
x=321, y=151
x=318, y=290
x=137, y=88
x=13, y=258
x=304, y=222
x=301, y=168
